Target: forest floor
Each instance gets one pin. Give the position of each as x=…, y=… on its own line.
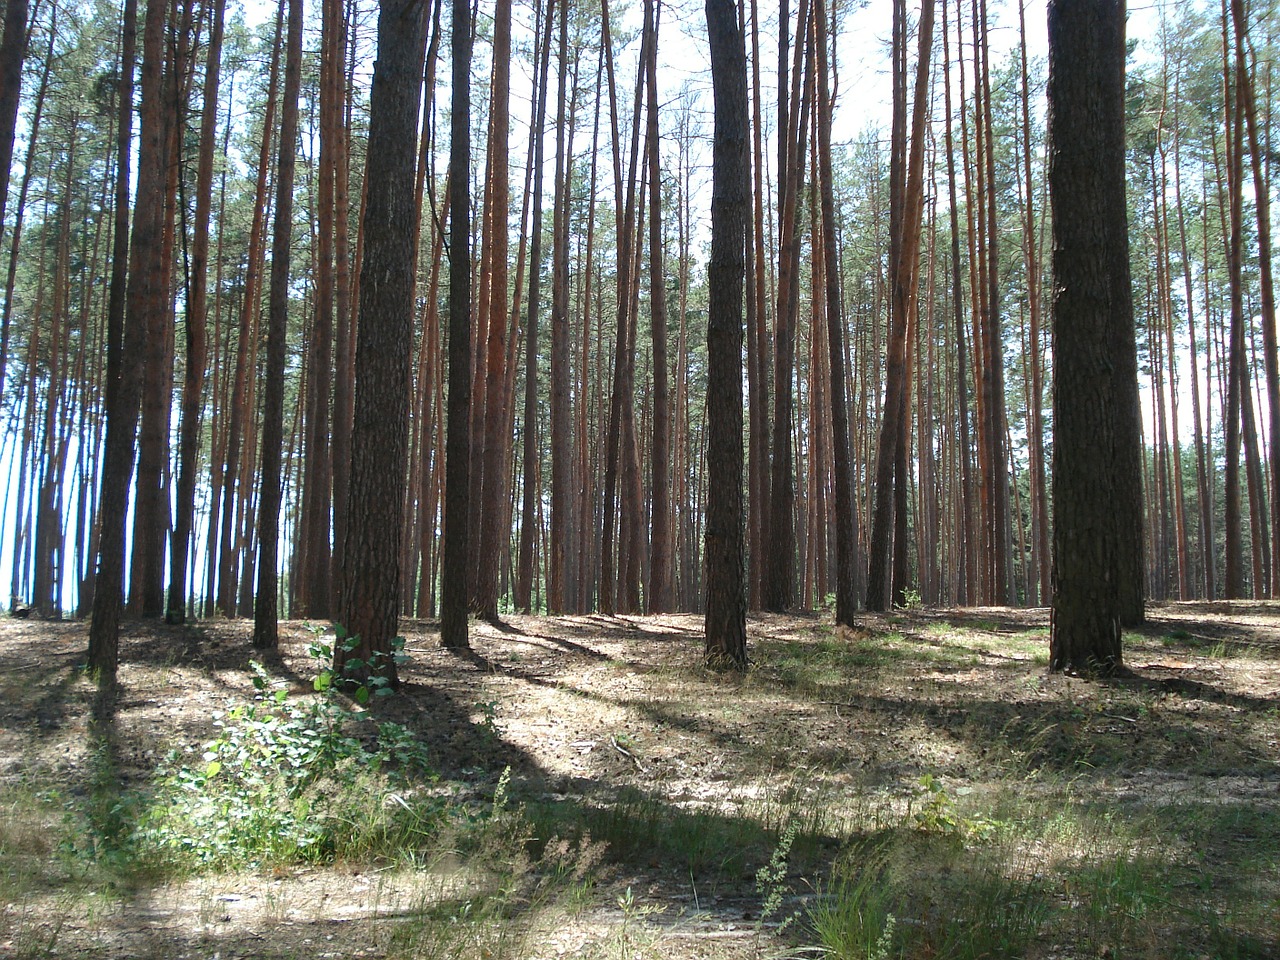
x=917, y=783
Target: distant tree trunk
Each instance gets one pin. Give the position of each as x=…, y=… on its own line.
x=726, y=627
x=234, y=491
x=846, y=531
x=561, y=526
x=1035, y=415
x=197, y=337
x=779, y=574
x=493, y=491
x=891, y=467
x=660, y=580
x=758, y=341
x=529, y=510
x=344, y=319
x=1093, y=327
x=965, y=549
x=1233, y=589
x=312, y=560
x=453, y=600
x=620, y=450
x=266, y=603
x=151, y=493
x=1202, y=464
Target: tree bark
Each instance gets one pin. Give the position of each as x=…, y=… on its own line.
x=266, y=602
x=453, y=599
x=197, y=325
x=1092, y=320
x=725, y=623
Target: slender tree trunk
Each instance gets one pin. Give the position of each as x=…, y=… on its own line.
x=965, y=549
x=529, y=505
x=779, y=586
x=453, y=603
x=125, y=325
x=1035, y=435
x=493, y=493
x=266, y=603
x=561, y=459
x=905, y=221
x=197, y=324
x=1270, y=353
x=846, y=536
x=660, y=579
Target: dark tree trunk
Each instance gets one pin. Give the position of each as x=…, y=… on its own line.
x=13, y=51
x=660, y=580
x=561, y=525
x=523, y=596
x=197, y=338
x=1093, y=338
x=726, y=627
x=124, y=326
x=453, y=599
x=384, y=350
x=495, y=467
x=266, y=603
x=846, y=530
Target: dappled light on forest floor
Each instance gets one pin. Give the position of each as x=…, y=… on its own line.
x=918, y=782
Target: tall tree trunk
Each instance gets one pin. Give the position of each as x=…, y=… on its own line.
x=528, y=515
x=197, y=325
x=493, y=493
x=234, y=489
x=660, y=580
x=1092, y=326
x=757, y=340
x=126, y=323
x=13, y=51
x=344, y=318
x=453, y=601
x=1202, y=461
x=905, y=221
x=965, y=550
x=266, y=603
x=846, y=535
x=779, y=586
x=1236, y=374
x=1262, y=198
x=726, y=632
x=1035, y=385
x=151, y=494
x=561, y=434
x=384, y=352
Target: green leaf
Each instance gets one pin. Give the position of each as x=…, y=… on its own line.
x=362, y=695
x=211, y=769
x=323, y=681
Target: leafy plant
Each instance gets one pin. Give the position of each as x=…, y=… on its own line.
x=361, y=678
x=248, y=795
x=771, y=879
